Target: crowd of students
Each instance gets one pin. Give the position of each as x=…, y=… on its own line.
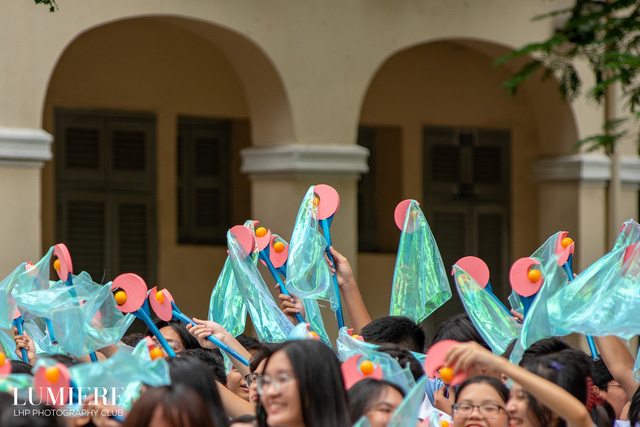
x=300, y=383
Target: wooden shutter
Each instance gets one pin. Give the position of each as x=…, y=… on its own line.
x=204, y=181
x=367, y=212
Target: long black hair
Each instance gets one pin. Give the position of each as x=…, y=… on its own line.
x=191, y=372
x=363, y=394
x=570, y=370
x=491, y=381
x=320, y=384
x=179, y=328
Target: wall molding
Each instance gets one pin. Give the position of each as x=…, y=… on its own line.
x=586, y=168
x=297, y=160
x=25, y=147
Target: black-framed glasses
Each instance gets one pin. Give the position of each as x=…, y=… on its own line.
x=487, y=410
x=280, y=383
x=251, y=378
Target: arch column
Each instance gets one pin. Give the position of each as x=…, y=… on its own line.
x=23, y=152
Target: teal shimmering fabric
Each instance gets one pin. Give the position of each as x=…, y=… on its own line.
x=270, y=323
x=492, y=322
x=363, y=422
x=84, y=316
x=227, y=307
x=515, y=302
x=420, y=282
x=603, y=300
x=308, y=274
x=124, y=371
x=7, y=302
x=407, y=413
x=391, y=369
x=8, y=345
x=537, y=324
x=12, y=382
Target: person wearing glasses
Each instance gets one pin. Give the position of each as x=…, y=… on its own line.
x=480, y=401
x=302, y=386
x=548, y=391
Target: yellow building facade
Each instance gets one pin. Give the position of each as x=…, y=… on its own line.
x=371, y=97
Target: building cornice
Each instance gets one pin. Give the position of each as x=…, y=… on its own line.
x=348, y=161
x=24, y=147
x=587, y=168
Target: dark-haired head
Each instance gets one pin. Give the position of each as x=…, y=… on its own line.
x=634, y=408
x=212, y=358
x=256, y=367
x=569, y=370
x=459, y=328
x=20, y=367
x=192, y=373
x=608, y=388
x=176, y=334
x=395, y=330
x=309, y=377
x=174, y=406
x=250, y=344
x=486, y=395
x=544, y=347
x=404, y=358
x=370, y=395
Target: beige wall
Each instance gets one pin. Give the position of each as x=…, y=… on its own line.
x=145, y=65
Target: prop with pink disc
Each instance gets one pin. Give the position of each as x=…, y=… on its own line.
x=354, y=371
x=479, y=271
x=327, y=200
x=163, y=305
x=18, y=322
x=5, y=365
x=435, y=365
x=268, y=244
x=526, y=280
x=56, y=388
x=131, y=297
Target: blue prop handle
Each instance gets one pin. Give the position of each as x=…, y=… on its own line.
x=489, y=289
x=526, y=304
x=18, y=323
x=50, y=330
x=142, y=315
x=264, y=255
x=282, y=269
x=93, y=357
x=69, y=282
x=325, y=224
x=568, y=267
x=177, y=314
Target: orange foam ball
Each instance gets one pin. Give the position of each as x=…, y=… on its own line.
x=121, y=297
x=355, y=336
x=566, y=242
x=155, y=353
x=366, y=367
x=316, y=201
x=446, y=373
x=278, y=247
x=444, y=423
x=261, y=232
x=52, y=374
x=534, y=275
x=314, y=335
x=56, y=265
x=3, y=358
x=160, y=297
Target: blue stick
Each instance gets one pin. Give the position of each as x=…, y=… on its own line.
x=264, y=255
x=489, y=289
x=177, y=314
x=325, y=224
x=69, y=282
x=18, y=323
x=50, y=330
x=142, y=315
x=568, y=267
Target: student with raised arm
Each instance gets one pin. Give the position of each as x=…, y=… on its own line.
x=350, y=295
x=558, y=406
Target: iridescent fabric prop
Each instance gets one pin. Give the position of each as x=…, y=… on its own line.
x=308, y=274
x=490, y=319
x=537, y=324
x=636, y=368
x=8, y=345
x=123, y=371
x=407, y=413
x=603, y=300
x=420, y=282
x=7, y=302
x=227, y=307
x=16, y=381
x=270, y=323
x=349, y=346
x=83, y=321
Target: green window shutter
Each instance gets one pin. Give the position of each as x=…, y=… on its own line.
x=367, y=203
